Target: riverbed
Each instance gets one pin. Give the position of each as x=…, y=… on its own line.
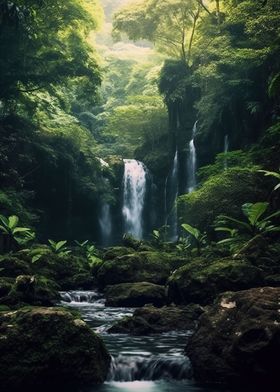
x=153, y=363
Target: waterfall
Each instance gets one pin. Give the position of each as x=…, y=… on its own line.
x=134, y=190
x=105, y=222
x=191, y=162
x=226, y=147
x=127, y=369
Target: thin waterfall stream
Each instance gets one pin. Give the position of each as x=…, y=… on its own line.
x=134, y=191
x=153, y=363
x=191, y=162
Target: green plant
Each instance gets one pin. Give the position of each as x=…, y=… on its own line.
x=255, y=223
x=199, y=238
x=59, y=247
x=160, y=235
x=272, y=174
x=9, y=227
x=183, y=245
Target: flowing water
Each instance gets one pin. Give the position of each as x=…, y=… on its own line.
x=105, y=223
x=191, y=163
x=134, y=190
x=139, y=363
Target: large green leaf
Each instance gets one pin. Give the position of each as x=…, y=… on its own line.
x=191, y=230
x=13, y=221
x=236, y=221
x=59, y=245
x=254, y=211
x=4, y=221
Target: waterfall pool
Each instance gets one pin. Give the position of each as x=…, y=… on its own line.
x=153, y=363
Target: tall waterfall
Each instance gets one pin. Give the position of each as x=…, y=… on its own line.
x=191, y=162
x=105, y=223
x=226, y=147
x=134, y=190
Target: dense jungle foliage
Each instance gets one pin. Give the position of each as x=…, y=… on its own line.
x=75, y=101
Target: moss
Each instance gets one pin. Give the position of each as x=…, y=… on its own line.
x=12, y=266
x=201, y=280
x=151, y=267
x=222, y=194
x=135, y=294
x=55, y=350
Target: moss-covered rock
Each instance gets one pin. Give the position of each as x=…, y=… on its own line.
x=238, y=340
x=201, y=280
x=12, y=266
x=135, y=294
x=116, y=251
x=32, y=290
x=69, y=271
x=153, y=267
x=151, y=320
x=46, y=348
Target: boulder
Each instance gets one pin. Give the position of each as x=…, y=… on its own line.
x=32, y=290
x=151, y=320
x=48, y=348
x=238, y=340
x=116, y=251
x=135, y=294
x=69, y=271
x=153, y=267
x=201, y=280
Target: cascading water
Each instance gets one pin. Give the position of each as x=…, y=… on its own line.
x=134, y=190
x=191, y=162
x=226, y=147
x=153, y=363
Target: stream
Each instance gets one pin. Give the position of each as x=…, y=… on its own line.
x=139, y=363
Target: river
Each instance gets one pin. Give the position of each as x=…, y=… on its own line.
x=153, y=363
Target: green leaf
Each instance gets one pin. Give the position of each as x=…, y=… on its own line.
x=254, y=211
x=191, y=230
x=60, y=244
x=36, y=258
x=21, y=230
x=13, y=221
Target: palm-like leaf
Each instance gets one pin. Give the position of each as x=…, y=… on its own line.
x=254, y=211
x=191, y=230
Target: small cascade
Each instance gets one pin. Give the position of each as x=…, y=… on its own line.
x=79, y=296
x=105, y=222
x=134, y=368
x=134, y=190
x=226, y=147
x=191, y=162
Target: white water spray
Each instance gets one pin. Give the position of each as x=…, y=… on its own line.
x=134, y=190
x=191, y=163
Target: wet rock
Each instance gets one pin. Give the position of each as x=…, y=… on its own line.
x=151, y=320
x=153, y=267
x=48, y=348
x=135, y=294
x=201, y=280
x=238, y=339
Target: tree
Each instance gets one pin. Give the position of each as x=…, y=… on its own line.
x=44, y=42
x=170, y=24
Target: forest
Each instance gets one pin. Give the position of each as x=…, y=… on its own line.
x=139, y=195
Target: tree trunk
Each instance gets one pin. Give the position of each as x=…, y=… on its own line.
x=196, y=16
x=218, y=12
